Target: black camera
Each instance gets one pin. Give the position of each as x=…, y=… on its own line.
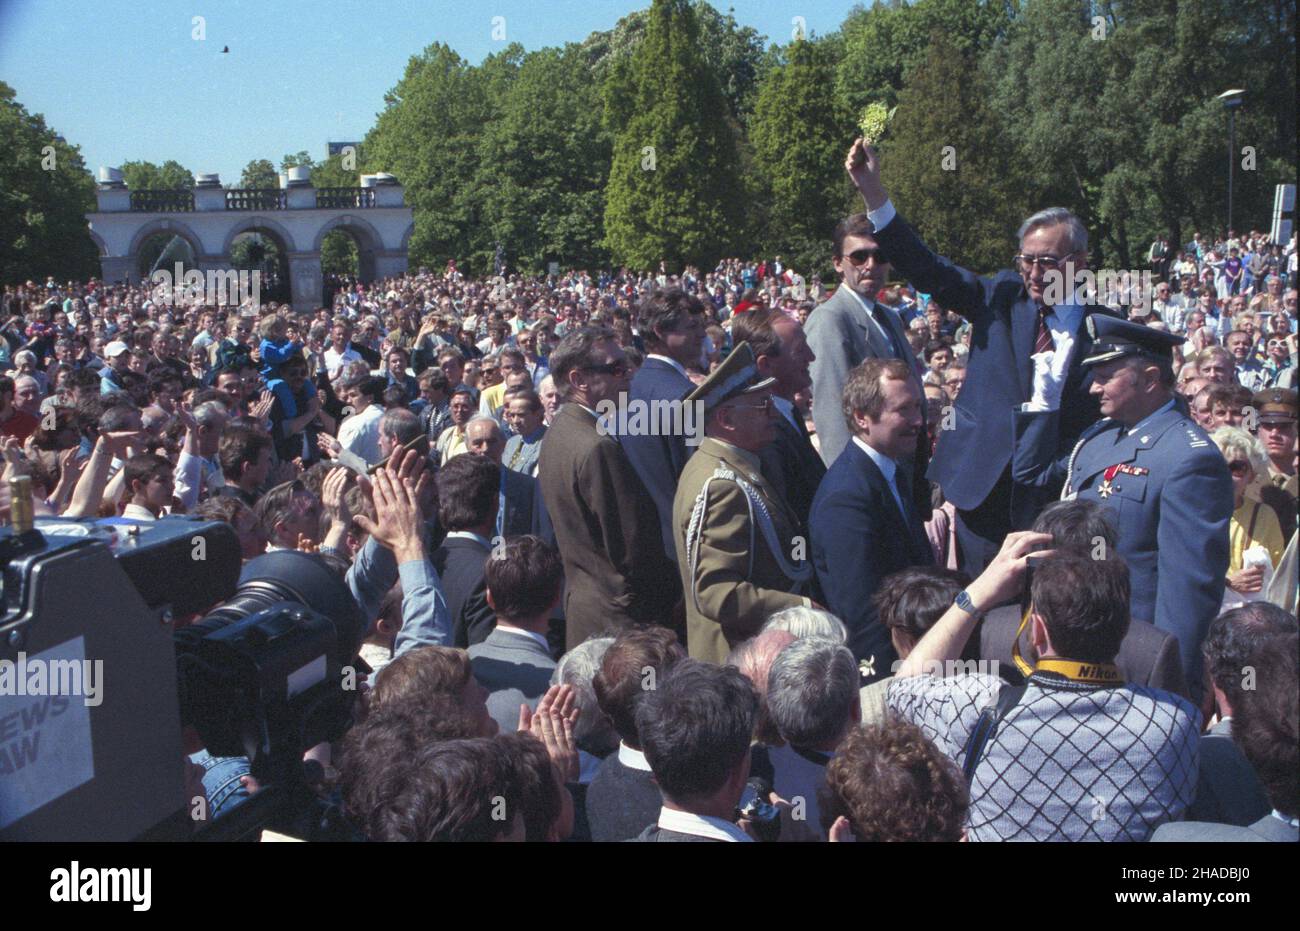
x=97, y=682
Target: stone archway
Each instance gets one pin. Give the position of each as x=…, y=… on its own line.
x=209, y=217
x=276, y=283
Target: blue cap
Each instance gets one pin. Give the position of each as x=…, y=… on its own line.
x=1114, y=338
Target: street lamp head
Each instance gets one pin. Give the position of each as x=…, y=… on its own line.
x=1233, y=98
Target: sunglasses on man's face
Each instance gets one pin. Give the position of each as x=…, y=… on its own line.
x=860, y=256
x=609, y=368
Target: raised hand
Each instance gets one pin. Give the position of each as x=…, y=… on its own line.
x=863, y=167
x=552, y=723
x=262, y=408
x=398, y=525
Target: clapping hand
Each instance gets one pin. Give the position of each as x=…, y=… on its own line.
x=552, y=723
x=398, y=525
x=262, y=408
x=328, y=445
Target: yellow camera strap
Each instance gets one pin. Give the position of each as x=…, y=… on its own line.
x=1072, y=669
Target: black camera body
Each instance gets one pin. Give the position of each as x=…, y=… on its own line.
x=97, y=683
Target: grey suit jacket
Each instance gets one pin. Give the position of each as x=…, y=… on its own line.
x=1266, y=830
x=515, y=669
x=1147, y=656
x=841, y=335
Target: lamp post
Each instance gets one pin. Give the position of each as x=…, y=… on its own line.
x=1232, y=99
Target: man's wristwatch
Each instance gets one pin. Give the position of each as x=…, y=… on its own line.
x=963, y=601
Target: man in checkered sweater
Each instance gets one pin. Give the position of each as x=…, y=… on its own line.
x=1079, y=755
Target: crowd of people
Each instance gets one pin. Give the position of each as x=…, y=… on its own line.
x=934, y=556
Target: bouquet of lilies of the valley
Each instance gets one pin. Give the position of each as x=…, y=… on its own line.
x=875, y=118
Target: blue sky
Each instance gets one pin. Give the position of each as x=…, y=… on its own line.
x=127, y=81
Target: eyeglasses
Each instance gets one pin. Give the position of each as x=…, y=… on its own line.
x=609, y=368
x=860, y=256
x=1049, y=263
x=1239, y=467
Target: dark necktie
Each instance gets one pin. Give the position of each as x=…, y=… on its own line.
x=1043, y=340
x=904, y=351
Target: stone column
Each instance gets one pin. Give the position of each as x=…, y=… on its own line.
x=306, y=281
x=115, y=268
x=390, y=262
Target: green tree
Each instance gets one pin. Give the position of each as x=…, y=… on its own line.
x=45, y=194
x=301, y=159
x=946, y=164
x=798, y=139
x=259, y=173
x=428, y=136
x=735, y=53
x=883, y=42
x=544, y=162
x=146, y=176
x=674, y=192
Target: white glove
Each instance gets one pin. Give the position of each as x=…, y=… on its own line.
x=1049, y=376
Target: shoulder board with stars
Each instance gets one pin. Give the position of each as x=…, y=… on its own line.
x=1195, y=441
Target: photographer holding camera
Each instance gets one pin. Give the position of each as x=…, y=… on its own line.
x=1075, y=753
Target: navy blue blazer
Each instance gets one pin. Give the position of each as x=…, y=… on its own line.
x=859, y=537
x=972, y=457
x=658, y=460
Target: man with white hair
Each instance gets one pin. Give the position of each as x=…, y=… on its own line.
x=1028, y=340
x=521, y=510
x=27, y=395
x=812, y=699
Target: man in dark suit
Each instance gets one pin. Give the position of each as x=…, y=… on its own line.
x=865, y=525
x=672, y=326
x=521, y=510
x=696, y=725
x=1267, y=729
x=850, y=328
x=781, y=351
x=1147, y=655
x=1228, y=791
x=467, y=509
x=524, y=582
x=606, y=526
x=1027, y=343
x=623, y=799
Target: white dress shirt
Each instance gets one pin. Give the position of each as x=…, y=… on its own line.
x=667, y=361
x=632, y=759
x=520, y=632
x=360, y=434
x=683, y=822
x=887, y=467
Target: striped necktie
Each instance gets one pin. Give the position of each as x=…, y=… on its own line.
x=1043, y=340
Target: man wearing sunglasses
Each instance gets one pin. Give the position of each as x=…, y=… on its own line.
x=1027, y=341
x=606, y=524
x=850, y=328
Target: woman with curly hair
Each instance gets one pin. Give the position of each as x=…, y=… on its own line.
x=890, y=783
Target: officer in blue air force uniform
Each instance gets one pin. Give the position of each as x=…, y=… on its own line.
x=1165, y=483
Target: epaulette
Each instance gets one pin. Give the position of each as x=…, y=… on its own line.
x=1195, y=441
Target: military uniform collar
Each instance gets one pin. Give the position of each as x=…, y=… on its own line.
x=739, y=459
x=1149, y=428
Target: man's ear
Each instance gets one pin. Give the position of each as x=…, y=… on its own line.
x=1038, y=634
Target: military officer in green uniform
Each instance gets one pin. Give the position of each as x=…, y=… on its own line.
x=738, y=545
